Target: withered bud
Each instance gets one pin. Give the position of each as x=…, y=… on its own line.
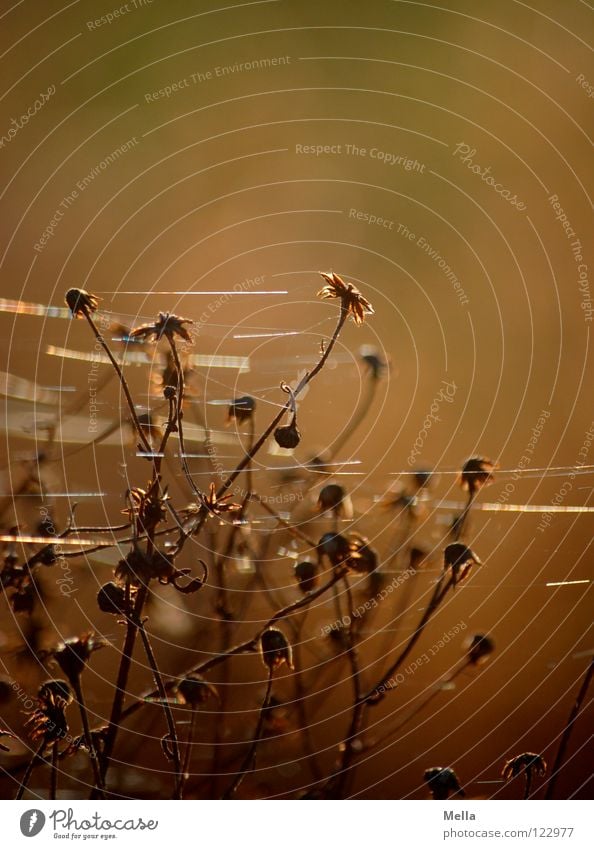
x=460, y=559
x=194, y=690
x=169, y=392
x=476, y=473
x=288, y=436
x=442, y=782
x=275, y=649
x=307, y=575
x=478, y=648
x=331, y=497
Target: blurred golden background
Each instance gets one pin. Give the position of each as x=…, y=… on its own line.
x=439, y=157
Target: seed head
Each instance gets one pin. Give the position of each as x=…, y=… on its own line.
x=275, y=649
x=478, y=648
x=194, y=690
x=81, y=302
x=167, y=324
x=351, y=299
x=307, y=575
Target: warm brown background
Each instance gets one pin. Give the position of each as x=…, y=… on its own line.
x=214, y=193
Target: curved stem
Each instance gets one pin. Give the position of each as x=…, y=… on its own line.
x=122, y=379
x=78, y=691
x=30, y=766
x=240, y=648
x=166, y=708
x=250, y=759
x=122, y=680
x=573, y=715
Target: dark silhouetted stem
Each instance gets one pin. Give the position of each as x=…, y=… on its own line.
x=556, y=768
x=250, y=759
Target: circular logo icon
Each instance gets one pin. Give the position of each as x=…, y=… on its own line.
x=32, y=822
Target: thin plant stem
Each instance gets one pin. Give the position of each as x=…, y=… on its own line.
x=257, y=445
x=250, y=758
x=241, y=648
x=122, y=379
x=358, y=416
x=187, y=754
x=122, y=680
x=30, y=767
x=573, y=715
x=53, y=793
x=463, y=518
x=166, y=709
x=78, y=691
x=338, y=780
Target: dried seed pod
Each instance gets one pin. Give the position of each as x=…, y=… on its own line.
x=334, y=497
x=194, y=690
x=476, y=473
x=478, y=648
x=288, y=436
x=460, y=559
x=307, y=574
x=275, y=649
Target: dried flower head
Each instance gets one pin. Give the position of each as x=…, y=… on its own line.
x=351, y=299
x=478, y=648
x=217, y=506
x=476, y=473
x=195, y=691
x=275, y=649
x=241, y=409
x=147, y=506
x=80, y=302
x=460, y=559
x=443, y=782
x=528, y=762
x=167, y=324
x=48, y=720
x=73, y=654
x=307, y=575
